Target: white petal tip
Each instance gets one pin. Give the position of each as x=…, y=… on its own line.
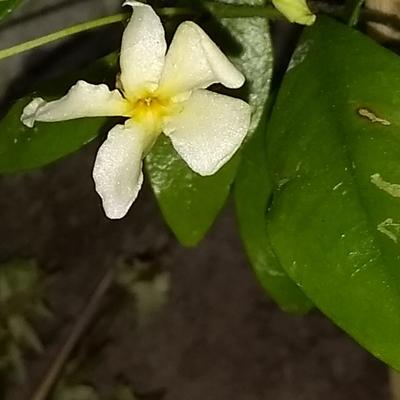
x=205, y=172
x=238, y=81
x=114, y=207
x=113, y=213
x=30, y=113
x=225, y=70
x=208, y=170
x=117, y=171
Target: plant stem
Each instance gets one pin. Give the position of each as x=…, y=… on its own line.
x=219, y=10
x=241, y=11
x=79, y=328
x=353, y=9
x=52, y=37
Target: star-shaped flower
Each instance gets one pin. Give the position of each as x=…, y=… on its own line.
x=157, y=92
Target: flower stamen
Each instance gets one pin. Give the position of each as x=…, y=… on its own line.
x=150, y=110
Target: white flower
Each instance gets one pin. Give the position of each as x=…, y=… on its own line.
x=159, y=92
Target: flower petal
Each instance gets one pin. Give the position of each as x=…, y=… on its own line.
x=209, y=130
x=117, y=171
x=82, y=100
x=194, y=61
x=143, y=50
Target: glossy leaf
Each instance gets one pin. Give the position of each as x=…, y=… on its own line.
x=7, y=7
x=23, y=148
x=253, y=185
x=253, y=188
x=255, y=58
x=334, y=150
x=189, y=202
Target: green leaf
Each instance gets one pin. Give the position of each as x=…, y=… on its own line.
x=23, y=148
x=255, y=59
x=253, y=188
x=191, y=203
x=334, y=150
x=253, y=183
x=7, y=7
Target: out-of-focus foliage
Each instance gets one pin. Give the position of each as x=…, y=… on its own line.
x=145, y=288
x=146, y=285
x=20, y=303
x=66, y=391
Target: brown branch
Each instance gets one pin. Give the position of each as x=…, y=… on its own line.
x=79, y=328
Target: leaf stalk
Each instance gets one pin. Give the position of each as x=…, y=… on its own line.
x=217, y=9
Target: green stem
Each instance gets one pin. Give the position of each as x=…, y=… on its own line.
x=242, y=11
x=219, y=10
x=353, y=10
x=52, y=37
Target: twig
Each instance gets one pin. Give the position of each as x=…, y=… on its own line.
x=82, y=323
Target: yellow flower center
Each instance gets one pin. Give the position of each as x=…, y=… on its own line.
x=150, y=109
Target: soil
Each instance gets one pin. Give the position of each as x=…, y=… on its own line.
x=219, y=336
